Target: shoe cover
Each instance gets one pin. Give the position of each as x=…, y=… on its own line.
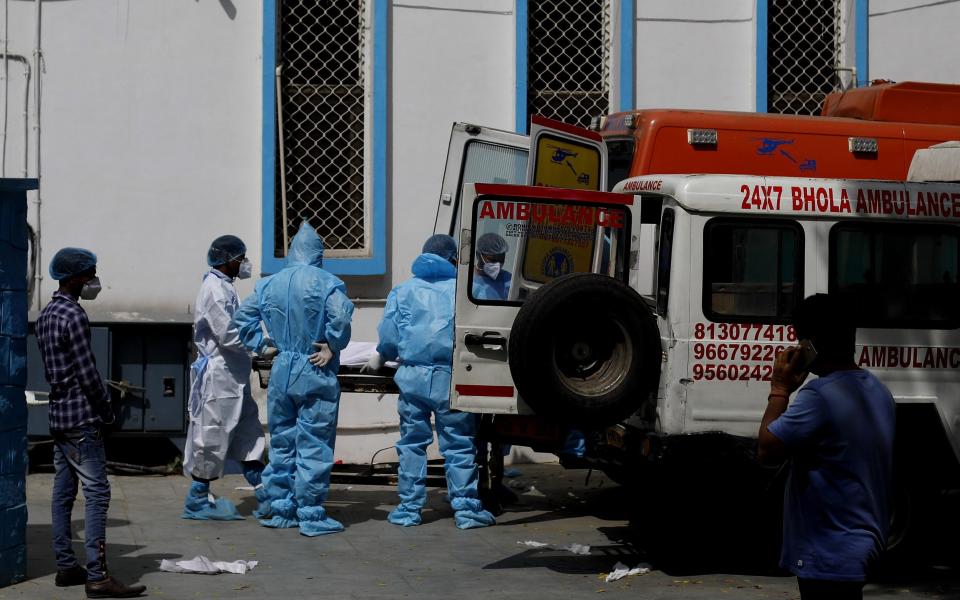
x=404, y=516
x=253, y=475
x=263, y=510
x=469, y=519
x=197, y=505
x=278, y=522
x=283, y=515
x=469, y=514
x=314, y=521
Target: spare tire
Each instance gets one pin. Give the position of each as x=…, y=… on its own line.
x=585, y=350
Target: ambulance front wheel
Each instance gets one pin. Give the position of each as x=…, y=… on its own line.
x=585, y=350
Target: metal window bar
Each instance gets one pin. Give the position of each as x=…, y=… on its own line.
x=323, y=108
x=803, y=54
x=569, y=59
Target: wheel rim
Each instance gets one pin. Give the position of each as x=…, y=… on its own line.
x=594, y=358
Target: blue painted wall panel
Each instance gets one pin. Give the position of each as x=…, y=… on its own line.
x=13, y=375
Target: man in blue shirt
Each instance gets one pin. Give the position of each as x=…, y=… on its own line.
x=79, y=409
x=838, y=433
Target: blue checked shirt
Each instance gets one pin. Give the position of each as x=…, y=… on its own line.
x=77, y=394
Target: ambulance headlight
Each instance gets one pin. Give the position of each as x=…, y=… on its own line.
x=702, y=137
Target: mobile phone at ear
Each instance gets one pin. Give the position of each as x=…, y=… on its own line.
x=808, y=352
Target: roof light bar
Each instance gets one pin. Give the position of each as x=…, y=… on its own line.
x=863, y=145
x=629, y=122
x=702, y=137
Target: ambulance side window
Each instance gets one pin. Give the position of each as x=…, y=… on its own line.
x=664, y=260
x=753, y=270
x=899, y=275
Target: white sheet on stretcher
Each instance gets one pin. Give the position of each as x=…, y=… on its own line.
x=357, y=354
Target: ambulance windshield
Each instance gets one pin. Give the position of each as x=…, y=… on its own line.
x=619, y=160
x=520, y=245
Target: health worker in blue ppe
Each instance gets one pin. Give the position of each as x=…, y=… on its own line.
x=224, y=421
x=417, y=330
x=490, y=280
x=307, y=316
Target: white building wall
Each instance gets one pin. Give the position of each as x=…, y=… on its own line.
x=151, y=119
x=453, y=60
x=696, y=54
x=914, y=40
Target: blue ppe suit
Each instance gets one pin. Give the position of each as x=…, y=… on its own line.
x=300, y=305
x=417, y=329
x=485, y=288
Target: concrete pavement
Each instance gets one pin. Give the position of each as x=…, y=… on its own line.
x=373, y=559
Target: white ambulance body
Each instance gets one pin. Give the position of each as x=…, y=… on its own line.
x=687, y=286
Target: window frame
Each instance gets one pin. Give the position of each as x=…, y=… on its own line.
x=873, y=228
x=458, y=201
x=624, y=250
x=377, y=143
x=663, y=308
x=799, y=265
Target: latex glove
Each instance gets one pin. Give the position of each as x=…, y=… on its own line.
x=322, y=356
x=269, y=352
x=374, y=363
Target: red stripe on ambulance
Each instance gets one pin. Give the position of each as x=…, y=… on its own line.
x=493, y=391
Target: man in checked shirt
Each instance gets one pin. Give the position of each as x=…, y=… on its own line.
x=79, y=408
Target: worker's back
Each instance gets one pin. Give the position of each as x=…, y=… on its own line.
x=293, y=305
x=421, y=310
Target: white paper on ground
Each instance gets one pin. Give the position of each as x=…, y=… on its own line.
x=204, y=566
x=621, y=570
x=580, y=549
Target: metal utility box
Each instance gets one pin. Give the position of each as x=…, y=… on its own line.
x=146, y=367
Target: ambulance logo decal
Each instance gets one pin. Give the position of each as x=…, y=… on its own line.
x=561, y=157
x=773, y=147
x=557, y=262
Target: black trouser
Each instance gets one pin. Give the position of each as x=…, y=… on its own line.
x=822, y=589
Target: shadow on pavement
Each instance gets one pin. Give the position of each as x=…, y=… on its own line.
x=706, y=520
x=127, y=568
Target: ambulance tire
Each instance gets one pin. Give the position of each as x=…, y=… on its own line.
x=585, y=350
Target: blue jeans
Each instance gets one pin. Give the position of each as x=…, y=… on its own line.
x=78, y=456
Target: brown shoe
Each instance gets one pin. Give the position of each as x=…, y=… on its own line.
x=111, y=588
x=75, y=575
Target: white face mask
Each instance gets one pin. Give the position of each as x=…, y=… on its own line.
x=91, y=289
x=246, y=269
x=491, y=270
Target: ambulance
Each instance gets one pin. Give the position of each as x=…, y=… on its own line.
x=648, y=317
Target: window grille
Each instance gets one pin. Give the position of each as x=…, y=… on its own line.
x=322, y=171
x=804, y=49
x=569, y=54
